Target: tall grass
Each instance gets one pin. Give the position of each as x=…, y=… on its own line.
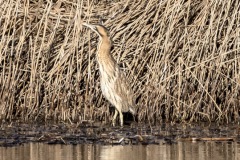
x=183, y=57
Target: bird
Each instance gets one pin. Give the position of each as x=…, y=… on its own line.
x=113, y=82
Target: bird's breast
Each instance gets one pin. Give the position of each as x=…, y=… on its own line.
x=108, y=78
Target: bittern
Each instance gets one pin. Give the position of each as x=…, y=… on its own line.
x=114, y=84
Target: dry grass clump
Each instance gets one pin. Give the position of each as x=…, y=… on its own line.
x=182, y=55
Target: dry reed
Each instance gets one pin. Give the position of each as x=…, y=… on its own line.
x=182, y=55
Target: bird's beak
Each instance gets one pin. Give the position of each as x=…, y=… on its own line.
x=88, y=25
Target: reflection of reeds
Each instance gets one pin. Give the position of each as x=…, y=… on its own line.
x=181, y=150
x=183, y=57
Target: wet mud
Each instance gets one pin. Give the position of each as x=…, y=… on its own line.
x=12, y=134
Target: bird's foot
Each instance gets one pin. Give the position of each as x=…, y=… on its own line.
x=121, y=124
x=113, y=122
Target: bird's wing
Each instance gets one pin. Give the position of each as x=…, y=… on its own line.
x=124, y=90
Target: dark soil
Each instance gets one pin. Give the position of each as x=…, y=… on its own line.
x=12, y=134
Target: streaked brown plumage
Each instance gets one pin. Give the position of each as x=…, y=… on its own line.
x=114, y=84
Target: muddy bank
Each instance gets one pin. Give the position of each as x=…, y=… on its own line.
x=12, y=134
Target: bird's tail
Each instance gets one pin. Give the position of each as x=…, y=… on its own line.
x=132, y=110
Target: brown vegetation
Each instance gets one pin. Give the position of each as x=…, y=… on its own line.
x=182, y=55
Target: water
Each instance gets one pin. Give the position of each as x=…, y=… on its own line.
x=178, y=151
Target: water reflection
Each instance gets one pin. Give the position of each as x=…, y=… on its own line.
x=179, y=151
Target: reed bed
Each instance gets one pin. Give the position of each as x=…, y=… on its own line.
x=182, y=57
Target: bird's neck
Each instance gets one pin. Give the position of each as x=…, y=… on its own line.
x=105, y=59
x=104, y=46
x=104, y=49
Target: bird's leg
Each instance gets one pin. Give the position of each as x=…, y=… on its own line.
x=114, y=117
x=134, y=118
x=121, y=118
